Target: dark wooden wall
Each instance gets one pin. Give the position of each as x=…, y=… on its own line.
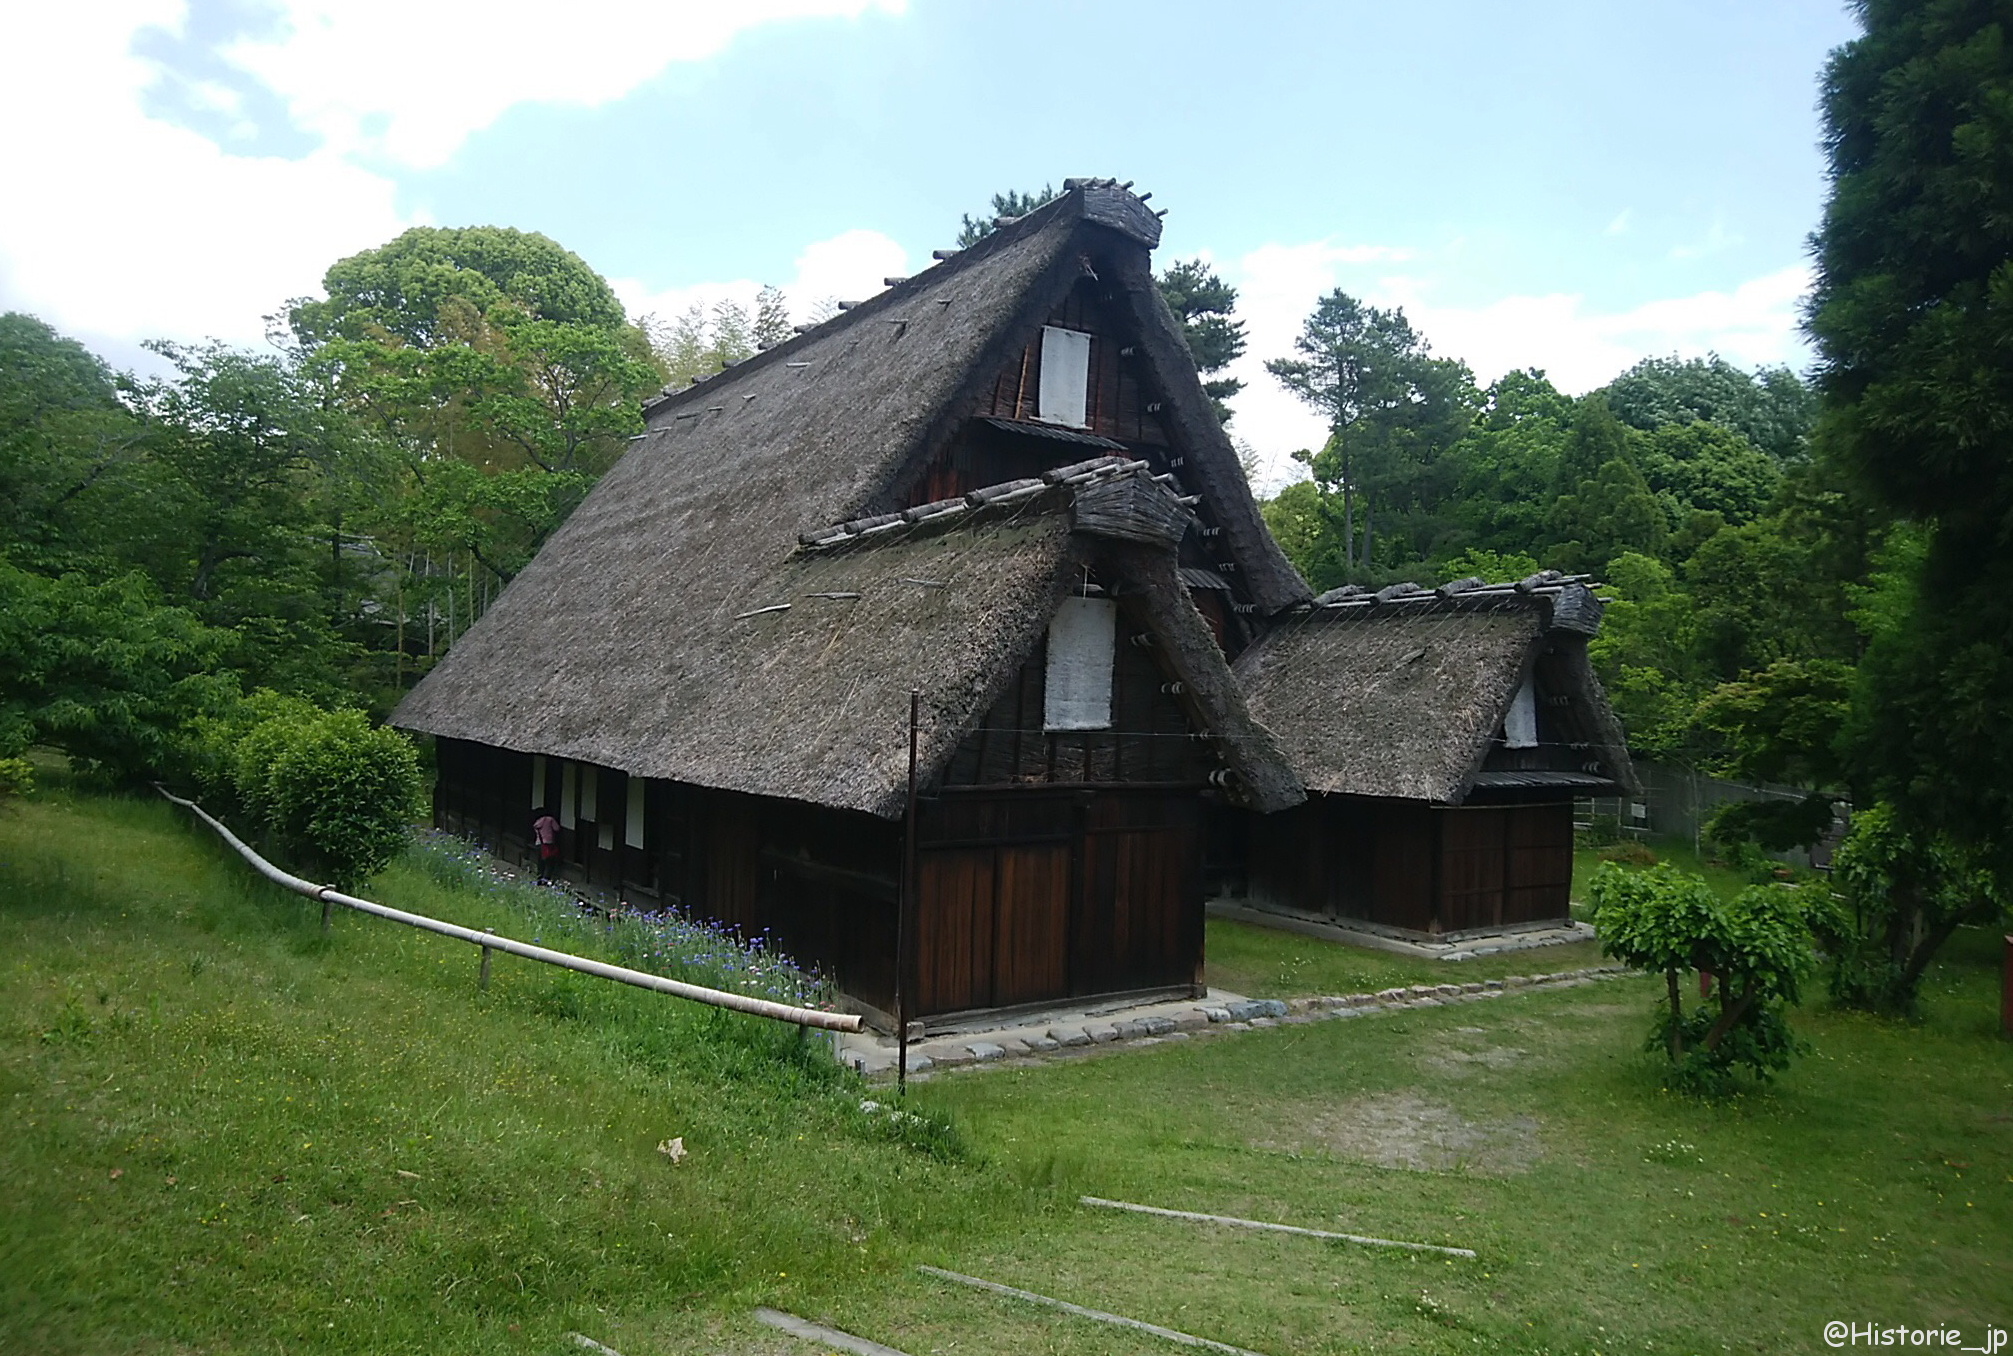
x=1026, y=893
x=1411, y=865
x=1117, y=399
x=1035, y=895
x=822, y=884
x=484, y=794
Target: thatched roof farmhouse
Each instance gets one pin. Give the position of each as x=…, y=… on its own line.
x=998, y=484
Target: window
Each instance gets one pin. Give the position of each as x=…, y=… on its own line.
x=1077, y=693
x=1520, y=724
x=632, y=831
x=569, y=794
x=1065, y=377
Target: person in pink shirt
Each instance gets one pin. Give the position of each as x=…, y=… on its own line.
x=545, y=833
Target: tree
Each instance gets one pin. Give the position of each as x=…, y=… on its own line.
x=1907, y=890
x=772, y=317
x=106, y=673
x=502, y=371
x=1912, y=314
x=1393, y=409
x=431, y=287
x=256, y=468
x=1754, y=951
x=1204, y=303
x=1011, y=203
x=1702, y=467
x=73, y=468
x=1646, y=657
x=1771, y=408
x=1611, y=513
x=1782, y=722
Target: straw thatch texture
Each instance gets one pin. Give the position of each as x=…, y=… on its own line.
x=1400, y=702
x=1265, y=779
x=618, y=644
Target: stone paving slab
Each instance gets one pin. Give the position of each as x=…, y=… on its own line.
x=1068, y=1034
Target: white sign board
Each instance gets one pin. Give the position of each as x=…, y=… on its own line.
x=1065, y=377
x=1077, y=694
x=1520, y=726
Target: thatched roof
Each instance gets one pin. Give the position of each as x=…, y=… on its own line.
x=628, y=640
x=1402, y=692
x=818, y=668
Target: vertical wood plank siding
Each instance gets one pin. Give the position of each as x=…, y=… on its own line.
x=1412, y=865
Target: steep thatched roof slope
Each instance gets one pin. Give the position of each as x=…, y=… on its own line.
x=625, y=641
x=1401, y=692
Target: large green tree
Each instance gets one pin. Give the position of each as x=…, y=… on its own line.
x=1393, y=410
x=506, y=375
x=1913, y=318
x=1771, y=408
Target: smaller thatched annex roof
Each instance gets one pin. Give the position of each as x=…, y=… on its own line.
x=1402, y=692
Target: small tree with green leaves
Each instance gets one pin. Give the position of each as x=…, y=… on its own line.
x=1906, y=890
x=336, y=794
x=1754, y=951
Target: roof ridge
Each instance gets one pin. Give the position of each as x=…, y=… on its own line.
x=1542, y=584
x=965, y=508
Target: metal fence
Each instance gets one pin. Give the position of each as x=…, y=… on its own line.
x=1677, y=802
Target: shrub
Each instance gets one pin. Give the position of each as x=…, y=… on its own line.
x=1630, y=853
x=335, y=794
x=1753, y=951
x=17, y=778
x=1905, y=891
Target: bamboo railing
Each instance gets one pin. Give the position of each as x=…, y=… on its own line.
x=489, y=941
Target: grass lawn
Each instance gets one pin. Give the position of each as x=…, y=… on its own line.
x=1677, y=851
x=219, y=1132
x=1262, y=962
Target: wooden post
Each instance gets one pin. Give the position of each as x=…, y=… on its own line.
x=482, y=980
x=2006, y=990
x=328, y=907
x=905, y=911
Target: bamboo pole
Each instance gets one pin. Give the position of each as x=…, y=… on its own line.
x=905, y=911
x=1116, y=1320
x=1236, y=1223
x=718, y=998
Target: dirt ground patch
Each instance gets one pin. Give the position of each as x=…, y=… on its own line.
x=1458, y=1062
x=1406, y=1130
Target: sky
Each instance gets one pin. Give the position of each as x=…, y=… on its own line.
x=1564, y=184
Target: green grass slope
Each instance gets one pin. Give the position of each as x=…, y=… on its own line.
x=219, y=1132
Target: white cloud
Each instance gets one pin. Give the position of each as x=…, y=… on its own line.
x=412, y=81
x=851, y=266
x=121, y=227
x=1620, y=225
x=1579, y=348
